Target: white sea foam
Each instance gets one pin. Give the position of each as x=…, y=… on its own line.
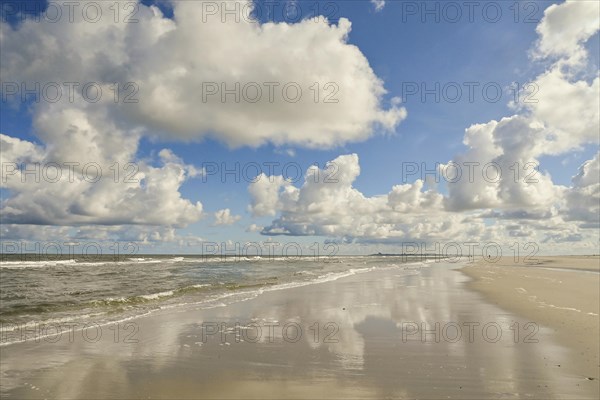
x=35, y=264
x=158, y=295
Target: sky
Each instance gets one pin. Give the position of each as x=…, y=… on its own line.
x=335, y=124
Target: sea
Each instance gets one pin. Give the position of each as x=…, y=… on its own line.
x=81, y=291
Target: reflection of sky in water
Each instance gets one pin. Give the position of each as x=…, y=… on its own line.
x=370, y=358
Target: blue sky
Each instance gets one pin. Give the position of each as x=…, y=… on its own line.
x=402, y=50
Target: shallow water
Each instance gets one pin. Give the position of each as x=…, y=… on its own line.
x=36, y=291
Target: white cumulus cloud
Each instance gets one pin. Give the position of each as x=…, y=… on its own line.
x=224, y=217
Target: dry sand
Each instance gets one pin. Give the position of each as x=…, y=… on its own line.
x=370, y=344
x=560, y=292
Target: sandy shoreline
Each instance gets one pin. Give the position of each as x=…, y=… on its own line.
x=372, y=335
x=562, y=293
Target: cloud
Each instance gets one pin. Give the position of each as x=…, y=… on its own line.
x=125, y=240
x=19, y=151
x=174, y=65
x=583, y=198
x=565, y=27
x=378, y=4
x=562, y=115
x=50, y=190
x=409, y=212
x=289, y=152
x=254, y=228
x=266, y=191
x=509, y=147
x=328, y=205
x=568, y=110
x=224, y=217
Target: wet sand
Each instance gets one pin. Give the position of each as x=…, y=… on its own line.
x=361, y=338
x=562, y=293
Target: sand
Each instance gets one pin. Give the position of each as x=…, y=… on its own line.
x=562, y=293
x=370, y=344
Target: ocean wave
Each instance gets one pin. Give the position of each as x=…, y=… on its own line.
x=34, y=264
x=158, y=295
x=144, y=298
x=140, y=260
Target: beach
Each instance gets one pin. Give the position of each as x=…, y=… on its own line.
x=562, y=293
x=424, y=330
